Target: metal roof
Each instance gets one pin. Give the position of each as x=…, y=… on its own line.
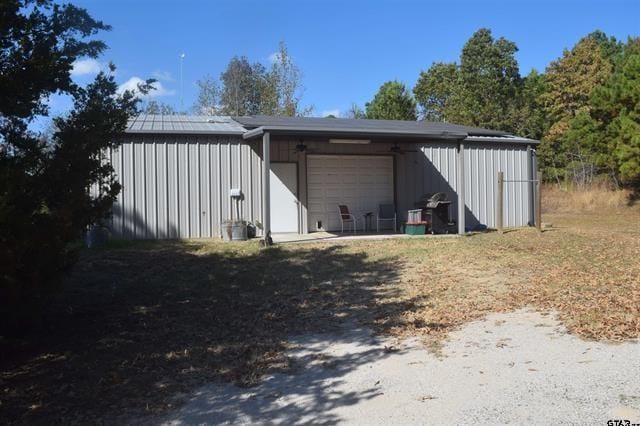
x=193, y=124
x=363, y=127
x=253, y=126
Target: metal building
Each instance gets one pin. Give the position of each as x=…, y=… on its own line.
x=177, y=172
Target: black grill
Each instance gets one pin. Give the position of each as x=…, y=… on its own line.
x=435, y=208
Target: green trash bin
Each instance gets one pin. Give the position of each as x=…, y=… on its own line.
x=415, y=228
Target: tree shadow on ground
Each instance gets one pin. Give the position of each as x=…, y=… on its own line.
x=309, y=392
x=140, y=327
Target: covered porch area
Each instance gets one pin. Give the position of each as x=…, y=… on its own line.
x=310, y=167
x=307, y=179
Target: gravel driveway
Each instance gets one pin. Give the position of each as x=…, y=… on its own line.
x=520, y=367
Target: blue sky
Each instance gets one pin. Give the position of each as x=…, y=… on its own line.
x=345, y=49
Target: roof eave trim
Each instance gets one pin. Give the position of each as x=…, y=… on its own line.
x=253, y=133
x=503, y=140
x=276, y=130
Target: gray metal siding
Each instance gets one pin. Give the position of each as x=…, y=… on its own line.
x=177, y=186
x=482, y=164
x=432, y=167
x=441, y=171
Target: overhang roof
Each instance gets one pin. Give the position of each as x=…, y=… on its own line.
x=253, y=126
x=359, y=127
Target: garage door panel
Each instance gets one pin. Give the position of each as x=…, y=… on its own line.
x=360, y=182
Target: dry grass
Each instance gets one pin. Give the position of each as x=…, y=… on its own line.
x=142, y=323
x=589, y=199
x=586, y=268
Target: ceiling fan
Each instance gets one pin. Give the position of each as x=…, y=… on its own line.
x=397, y=149
x=301, y=147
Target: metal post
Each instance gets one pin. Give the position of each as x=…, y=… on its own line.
x=182, y=55
x=500, y=202
x=266, y=189
x=461, y=206
x=539, y=202
x=531, y=186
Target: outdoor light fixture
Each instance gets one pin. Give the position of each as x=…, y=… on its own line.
x=351, y=141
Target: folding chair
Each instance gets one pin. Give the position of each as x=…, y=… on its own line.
x=386, y=212
x=346, y=217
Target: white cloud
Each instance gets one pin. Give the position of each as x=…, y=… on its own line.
x=86, y=67
x=335, y=112
x=274, y=57
x=160, y=90
x=132, y=85
x=162, y=75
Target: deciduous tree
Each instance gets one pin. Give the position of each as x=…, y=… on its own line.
x=283, y=89
x=356, y=112
x=481, y=91
x=155, y=107
x=530, y=119
x=490, y=80
x=242, y=87
x=392, y=102
x=437, y=90
x=250, y=89
x=569, y=83
x=208, y=102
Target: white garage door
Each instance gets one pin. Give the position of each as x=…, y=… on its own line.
x=360, y=182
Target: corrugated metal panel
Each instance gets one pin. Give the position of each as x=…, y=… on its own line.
x=177, y=186
x=482, y=164
x=440, y=165
x=158, y=123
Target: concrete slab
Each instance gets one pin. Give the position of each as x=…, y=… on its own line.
x=337, y=236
